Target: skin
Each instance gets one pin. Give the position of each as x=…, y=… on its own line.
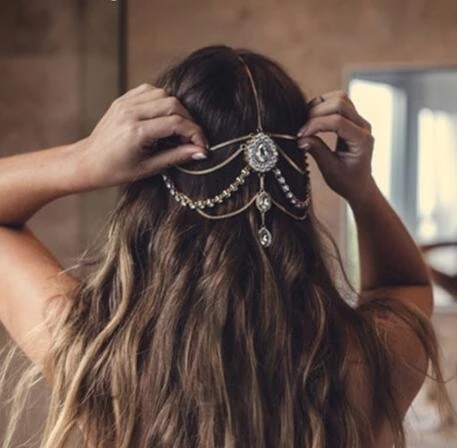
x=119, y=151
x=391, y=263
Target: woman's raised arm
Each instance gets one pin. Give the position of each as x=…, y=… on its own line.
x=390, y=262
x=118, y=151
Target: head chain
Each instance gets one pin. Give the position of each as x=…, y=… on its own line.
x=261, y=156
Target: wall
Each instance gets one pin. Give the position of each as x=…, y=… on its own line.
x=39, y=79
x=58, y=73
x=40, y=107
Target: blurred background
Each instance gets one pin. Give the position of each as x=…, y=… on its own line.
x=62, y=62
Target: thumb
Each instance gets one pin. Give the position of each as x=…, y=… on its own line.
x=320, y=152
x=174, y=156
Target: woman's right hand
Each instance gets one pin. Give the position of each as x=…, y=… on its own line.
x=347, y=169
x=121, y=147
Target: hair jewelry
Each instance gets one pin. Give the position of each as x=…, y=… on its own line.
x=261, y=154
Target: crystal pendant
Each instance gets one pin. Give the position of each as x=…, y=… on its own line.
x=261, y=152
x=265, y=237
x=263, y=202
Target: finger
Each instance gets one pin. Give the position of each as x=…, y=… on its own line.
x=339, y=105
x=136, y=95
x=148, y=96
x=171, y=157
x=142, y=89
x=343, y=127
x=162, y=127
x=159, y=107
x=336, y=94
x=326, y=96
x=315, y=146
x=134, y=91
x=129, y=99
x=315, y=101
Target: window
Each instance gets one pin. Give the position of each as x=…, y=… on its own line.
x=379, y=103
x=414, y=122
x=437, y=176
x=375, y=102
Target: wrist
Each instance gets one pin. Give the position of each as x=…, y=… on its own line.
x=30, y=181
x=76, y=173
x=365, y=196
x=84, y=173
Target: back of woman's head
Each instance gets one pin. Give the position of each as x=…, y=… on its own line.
x=190, y=333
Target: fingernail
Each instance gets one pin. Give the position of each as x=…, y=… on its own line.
x=301, y=132
x=199, y=156
x=304, y=145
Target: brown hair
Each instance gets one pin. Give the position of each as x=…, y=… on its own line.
x=188, y=333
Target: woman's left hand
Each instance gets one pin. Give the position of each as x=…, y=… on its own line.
x=347, y=169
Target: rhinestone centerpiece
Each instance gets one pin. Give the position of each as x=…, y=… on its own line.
x=261, y=155
x=261, y=152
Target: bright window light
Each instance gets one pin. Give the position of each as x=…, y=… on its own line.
x=437, y=176
x=375, y=102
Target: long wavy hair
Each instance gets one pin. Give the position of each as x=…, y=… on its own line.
x=188, y=333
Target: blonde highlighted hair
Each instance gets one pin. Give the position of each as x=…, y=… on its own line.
x=188, y=334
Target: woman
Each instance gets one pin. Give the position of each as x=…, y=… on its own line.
x=211, y=317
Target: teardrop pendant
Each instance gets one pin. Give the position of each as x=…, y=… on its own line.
x=265, y=237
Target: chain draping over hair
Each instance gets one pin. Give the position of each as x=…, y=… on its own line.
x=261, y=154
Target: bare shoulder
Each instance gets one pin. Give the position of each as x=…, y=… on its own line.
x=405, y=338
x=401, y=330
x=401, y=317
